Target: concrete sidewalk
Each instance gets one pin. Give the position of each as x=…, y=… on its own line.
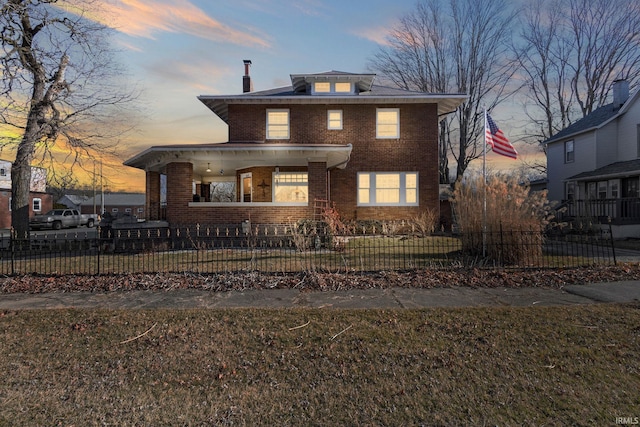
x=359, y=299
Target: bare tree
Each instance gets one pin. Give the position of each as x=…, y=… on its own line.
x=570, y=52
x=460, y=47
x=58, y=92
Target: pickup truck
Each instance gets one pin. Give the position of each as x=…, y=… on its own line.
x=62, y=218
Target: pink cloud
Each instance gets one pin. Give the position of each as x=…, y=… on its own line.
x=146, y=18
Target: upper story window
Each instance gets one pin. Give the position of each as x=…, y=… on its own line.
x=387, y=123
x=3, y=172
x=332, y=87
x=343, y=87
x=277, y=124
x=334, y=119
x=569, y=153
x=322, y=87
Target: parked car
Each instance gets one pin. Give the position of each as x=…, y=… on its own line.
x=63, y=218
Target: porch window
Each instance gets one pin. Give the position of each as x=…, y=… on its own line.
x=602, y=189
x=591, y=191
x=630, y=187
x=614, y=189
x=334, y=119
x=388, y=189
x=569, y=153
x=571, y=191
x=291, y=187
x=387, y=123
x=277, y=124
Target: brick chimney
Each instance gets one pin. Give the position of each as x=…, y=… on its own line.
x=247, y=84
x=620, y=93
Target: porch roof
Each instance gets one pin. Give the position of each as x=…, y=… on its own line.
x=223, y=159
x=612, y=170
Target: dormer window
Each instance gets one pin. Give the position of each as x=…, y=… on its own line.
x=343, y=87
x=322, y=88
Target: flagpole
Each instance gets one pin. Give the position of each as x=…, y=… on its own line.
x=484, y=187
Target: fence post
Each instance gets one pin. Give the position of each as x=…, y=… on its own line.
x=613, y=246
x=99, y=244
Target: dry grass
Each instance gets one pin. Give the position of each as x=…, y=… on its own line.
x=576, y=365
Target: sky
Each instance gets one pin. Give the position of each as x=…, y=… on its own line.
x=175, y=50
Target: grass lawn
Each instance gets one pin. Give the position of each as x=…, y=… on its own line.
x=574, y=365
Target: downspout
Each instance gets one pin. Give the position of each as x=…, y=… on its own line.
x=329, y=173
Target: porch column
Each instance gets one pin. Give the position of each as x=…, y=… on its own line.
x=318, y=189
x=179, y=192
x=152, y=201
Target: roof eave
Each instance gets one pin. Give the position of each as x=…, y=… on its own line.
x=220, y=104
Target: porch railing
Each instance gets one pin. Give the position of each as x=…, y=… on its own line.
x=618, y=211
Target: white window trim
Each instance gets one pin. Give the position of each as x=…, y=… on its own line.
x=33, y=204
x=329, y=127
x=403, y=189
x=380, y=110
x=279, y=110
x=332, y=88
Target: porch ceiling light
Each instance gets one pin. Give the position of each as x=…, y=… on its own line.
x=208, y=168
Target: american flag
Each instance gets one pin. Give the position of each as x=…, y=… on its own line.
x=494, y=137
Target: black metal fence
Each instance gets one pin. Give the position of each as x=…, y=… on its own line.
x=285, y=250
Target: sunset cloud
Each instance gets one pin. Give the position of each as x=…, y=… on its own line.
x=375, y=34
x=147, y=18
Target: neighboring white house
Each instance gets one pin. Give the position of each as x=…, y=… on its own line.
x=593, y=166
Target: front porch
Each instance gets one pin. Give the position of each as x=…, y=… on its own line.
x=620, y=211
x=621, y=214
x=238, y=183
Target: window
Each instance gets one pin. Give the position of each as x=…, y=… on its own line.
x=332, y=87
x=614, y=189
x=630, y=187
x=322, y=87
x=3, y=172
x=591, y=190
x=291, y=187
x=140, y=210
x=387, y=123
x=37, y=205
x=127, y=210
x=571, y=191
x=277, y=124
x=568, y=152
x=334, y=119
x=388, y=189
x=343, y=87
x=114, y=210
x=602, y=189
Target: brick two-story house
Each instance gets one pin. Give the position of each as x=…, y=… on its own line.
x=334, y=136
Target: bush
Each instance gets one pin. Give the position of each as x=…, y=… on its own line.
x=512, y=229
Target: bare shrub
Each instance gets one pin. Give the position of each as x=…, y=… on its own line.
x=512, y=229
x=425, y=222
